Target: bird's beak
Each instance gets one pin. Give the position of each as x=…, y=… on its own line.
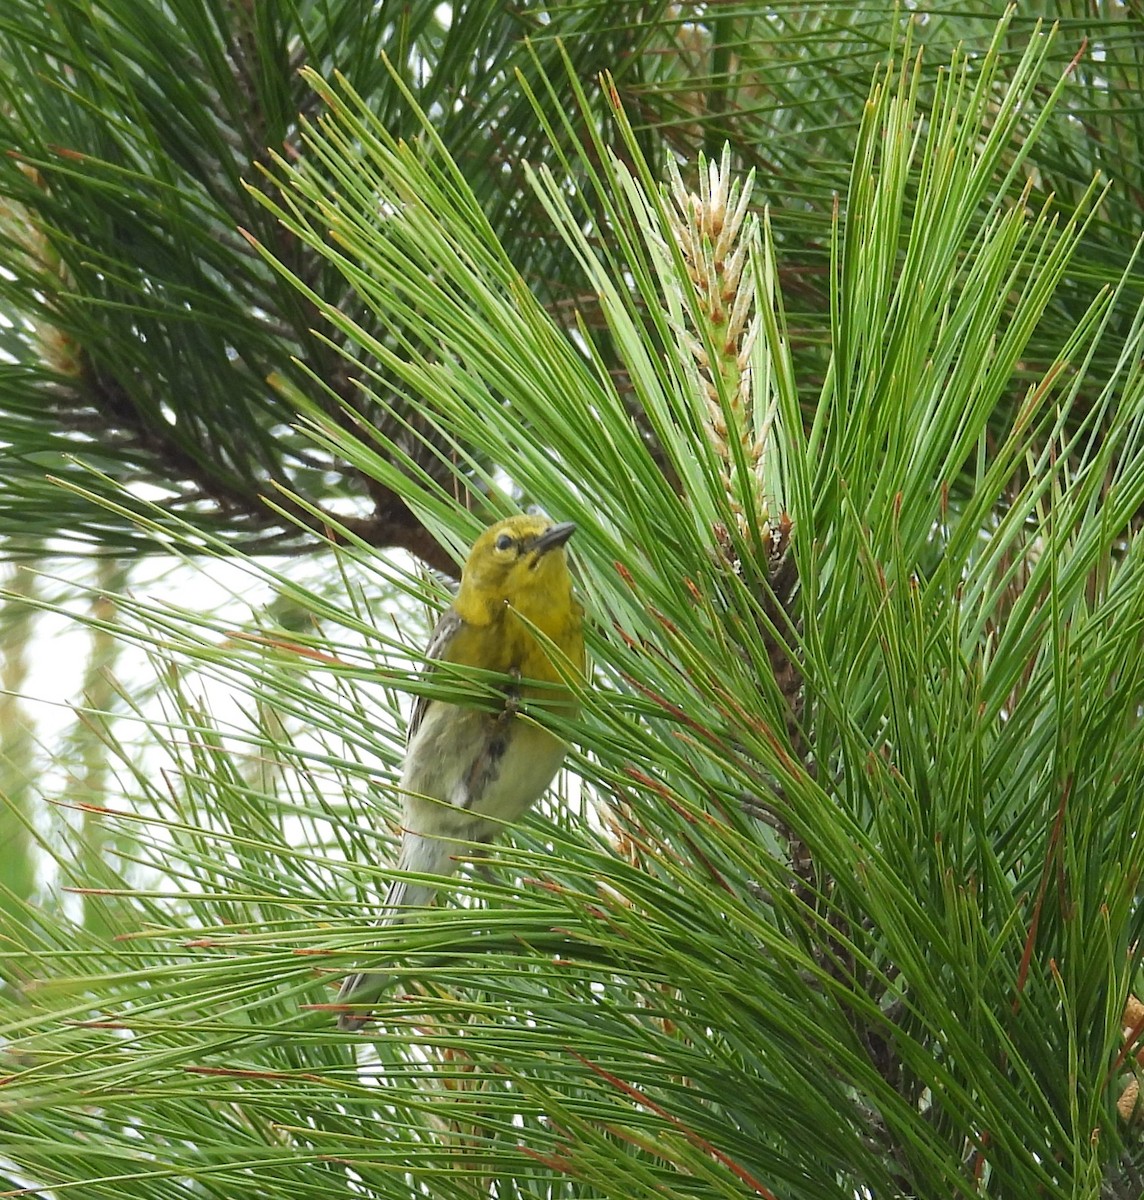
x=553, y=536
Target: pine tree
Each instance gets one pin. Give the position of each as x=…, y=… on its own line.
x=820, y=327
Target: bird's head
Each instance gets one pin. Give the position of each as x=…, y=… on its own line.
x=519, y=561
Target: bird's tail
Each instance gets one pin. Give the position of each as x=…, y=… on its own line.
x=422, y=856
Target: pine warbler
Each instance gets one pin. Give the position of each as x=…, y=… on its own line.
x=468, y=771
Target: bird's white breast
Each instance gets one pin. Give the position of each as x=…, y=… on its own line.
x=480, y=766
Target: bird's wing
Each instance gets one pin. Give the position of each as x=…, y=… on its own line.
x=442, y=635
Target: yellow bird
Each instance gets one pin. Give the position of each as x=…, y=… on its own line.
x=468, y=771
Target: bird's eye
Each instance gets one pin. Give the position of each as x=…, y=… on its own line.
x=504, y=542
